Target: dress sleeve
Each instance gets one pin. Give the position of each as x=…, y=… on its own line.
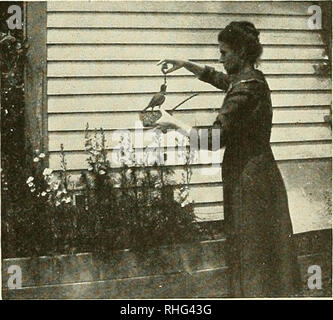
x=218, y=79
x=232, y=117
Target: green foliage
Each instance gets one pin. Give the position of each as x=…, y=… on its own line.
x=134, y=206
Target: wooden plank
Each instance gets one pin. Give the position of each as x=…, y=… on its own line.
x=294, y=133
x=245, y=7
x=309, y=186
x=202, y=283
x=128, y=36
x=124, y=120
x=145, y=69
x=284, y=151
x=115, y=52
x=165, y=20
x=206, y=194
x=205, y=174
x=179, y=84
x=308, y=150
x=35, y=98
x=87, y=267
x=74, y=141
x=100, y=103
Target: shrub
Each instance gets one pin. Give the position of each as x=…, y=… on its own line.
x=135, y=205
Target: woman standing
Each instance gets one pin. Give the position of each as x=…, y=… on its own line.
x=261, y=255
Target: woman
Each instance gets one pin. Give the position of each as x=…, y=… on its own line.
x=261, y=254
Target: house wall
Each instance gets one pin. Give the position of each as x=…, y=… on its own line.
x=101, y=70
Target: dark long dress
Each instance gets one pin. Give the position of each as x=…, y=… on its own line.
x=261, y=255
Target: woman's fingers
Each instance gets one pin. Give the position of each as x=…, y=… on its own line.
x=174, y=68
x=161, y=61
x=176, y=64
x=165, y=61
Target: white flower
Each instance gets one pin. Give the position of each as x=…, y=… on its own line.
x=31, y=184
x=48, y=190
x=42, y=155
x=33, y=190
x=30, y=179
x=59, y=193
x=36, y=159
x=37, y=151
x=90, y=169
x=43, y=194
x=47, y=171
x=55, y=185
x=185, y=203
x=67, y=199
x=57, y=203
x=101, y=172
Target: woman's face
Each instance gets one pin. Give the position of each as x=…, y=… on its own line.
x=231, y=60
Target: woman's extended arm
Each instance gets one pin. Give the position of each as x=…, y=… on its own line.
x=207, y=74
x=196, y=69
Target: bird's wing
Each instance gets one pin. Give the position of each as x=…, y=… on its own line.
x=156, y=100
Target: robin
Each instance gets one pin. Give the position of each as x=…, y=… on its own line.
x=158, y=98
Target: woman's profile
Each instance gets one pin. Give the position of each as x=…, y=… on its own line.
x=261, y=255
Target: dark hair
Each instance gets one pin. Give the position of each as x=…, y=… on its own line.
x=242, y=34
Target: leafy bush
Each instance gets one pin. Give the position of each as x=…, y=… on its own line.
x=135, y=205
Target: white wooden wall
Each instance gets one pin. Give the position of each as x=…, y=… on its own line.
x=102, y=70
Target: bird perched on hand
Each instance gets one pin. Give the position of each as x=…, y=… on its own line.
x=158, y=98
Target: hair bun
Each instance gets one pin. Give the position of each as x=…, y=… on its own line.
x=249, y=28
x=244, y=34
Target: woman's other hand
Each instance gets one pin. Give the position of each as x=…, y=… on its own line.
x=166, y=121
x=176, y=64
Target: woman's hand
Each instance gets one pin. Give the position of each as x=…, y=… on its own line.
x=176, y=64
x=167, y=121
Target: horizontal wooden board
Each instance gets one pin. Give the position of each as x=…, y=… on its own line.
x=167, y=20
x=146, y=36
x=95, y=103
x=144, y=69
x=284, y=151
x=65, y=122
x=74, y=141
x=205, y=174
x=114, y=52
x=202, y=283
x=88, y=267
x=246, y=7
x=179, y=84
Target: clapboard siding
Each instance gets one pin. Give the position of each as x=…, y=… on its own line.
x=102, y=70
x=59, y=52
x=74, y=141
x=149, y=69
x=136, y=102
x=176, y=84
x=131, y=120
x=207, y=37
x=284, y=151
x=256, y=7
x=167, y=20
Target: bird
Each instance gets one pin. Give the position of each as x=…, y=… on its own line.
x=158, y=98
